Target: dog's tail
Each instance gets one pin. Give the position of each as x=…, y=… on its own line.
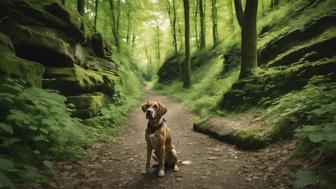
x=180, y=162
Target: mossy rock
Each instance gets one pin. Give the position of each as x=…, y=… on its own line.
x=250, y=138
x=29, y=71
x=6, y=44
x=251, y=91
x=48, y=13
x=87, y=105
x=33, y=45
x=72, y=80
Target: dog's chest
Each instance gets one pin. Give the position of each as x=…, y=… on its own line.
x=154, y=141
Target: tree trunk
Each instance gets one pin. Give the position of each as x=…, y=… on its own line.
x=195, y=23
x=81, y=7
x=128, y=26
x=248, y=21
x=174, y=27
x=115, y=22
x=239, y=12
x=231, y=12
x=202, y=23
x=172, y=20
x=214, y=21
x=63, y=2
x=158, y=52
x=133, y=37
x=187, y=62
x=96, y=15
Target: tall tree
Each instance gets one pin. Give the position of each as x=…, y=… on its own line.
x=115, y=9
x=96, y=15
x=248, y=23
x=202, y=23
x=214, y=21
x=187, y=62
x=158, y=52
x=81, y=7
x=230, y=12
x=171, y=10
x=196, y=24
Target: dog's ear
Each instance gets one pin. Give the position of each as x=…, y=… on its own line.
x=144, y=107
x=162, y=109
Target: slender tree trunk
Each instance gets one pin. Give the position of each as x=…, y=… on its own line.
x=180, y=35
x=263, y=8
x=196, y=25
x=187, y=62
x=158, y=52
x=248, y=22
x=214, y=21
x=172, y=19
x=115, y=22
x=81, y=7
x=128, y=26
x=133, y=37
x=96, y=15
x=202, y=23
x=174, y=27
x=231, y=12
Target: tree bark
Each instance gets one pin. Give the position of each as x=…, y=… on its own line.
x=196, y=25
x=81, y=7
x=239, y=11
x=231, y=12
x=174, y=27
x=96, y=15
x=115, y=22
x=214, y=21
x=202, y=24
x=128, y=25
x=249, y=38
x=187, y=62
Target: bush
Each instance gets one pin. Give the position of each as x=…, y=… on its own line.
x=35, y=129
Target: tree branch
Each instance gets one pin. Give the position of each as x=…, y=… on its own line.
x=239, y=11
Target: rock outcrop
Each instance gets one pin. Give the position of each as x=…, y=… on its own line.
x=48, y=46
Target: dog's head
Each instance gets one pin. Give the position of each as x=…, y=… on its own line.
x=153, y=110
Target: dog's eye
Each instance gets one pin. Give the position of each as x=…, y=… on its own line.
x=156, y=106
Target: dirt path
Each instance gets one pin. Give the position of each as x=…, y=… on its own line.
x=214, y=164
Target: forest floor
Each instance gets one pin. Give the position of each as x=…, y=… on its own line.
x=121, y=163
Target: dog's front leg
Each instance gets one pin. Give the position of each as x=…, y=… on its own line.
x=162, y=161
x=149, y=156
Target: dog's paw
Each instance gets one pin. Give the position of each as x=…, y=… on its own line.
x=176, y=168
x=161, y=173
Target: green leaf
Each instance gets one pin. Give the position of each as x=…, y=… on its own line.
x=7, y=128
x=48, y=164
x=303, y=179
x=316, y=137
x=5, y=182
x=5, y=164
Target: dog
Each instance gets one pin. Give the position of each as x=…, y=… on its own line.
x=158, y=138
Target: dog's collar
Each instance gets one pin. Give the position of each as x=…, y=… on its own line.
x=153, y=128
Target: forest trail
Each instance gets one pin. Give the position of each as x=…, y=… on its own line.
x=214, y=165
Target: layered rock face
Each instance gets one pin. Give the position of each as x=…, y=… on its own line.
x=46, y=45
x=290, y=59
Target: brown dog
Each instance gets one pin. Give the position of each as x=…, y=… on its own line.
x=158, y=138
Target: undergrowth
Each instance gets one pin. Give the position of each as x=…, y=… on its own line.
x=35, y=129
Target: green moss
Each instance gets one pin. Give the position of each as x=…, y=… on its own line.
x=11, y=65
x=87, y=105
x=6, y=44
x=30, y=43
x=251, y=138
x=73, y=80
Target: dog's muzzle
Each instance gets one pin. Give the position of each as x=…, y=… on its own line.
x=149, y=114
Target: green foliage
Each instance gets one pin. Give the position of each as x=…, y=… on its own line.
x=35, y=130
